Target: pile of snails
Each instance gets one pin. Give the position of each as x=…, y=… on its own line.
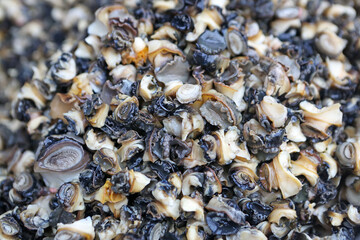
x=190, y=120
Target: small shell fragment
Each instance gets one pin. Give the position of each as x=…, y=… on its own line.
x=272, y=110
x=188, y=93
x=82, y=228
x=330, y=44
x=320, y=119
